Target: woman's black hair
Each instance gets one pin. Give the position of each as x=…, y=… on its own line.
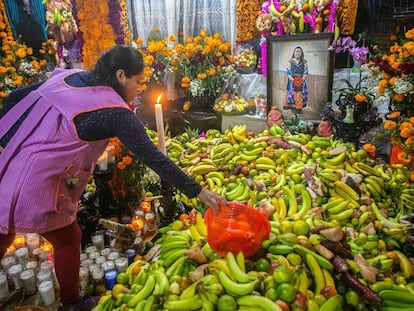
x=118, y=57
x=300, y=48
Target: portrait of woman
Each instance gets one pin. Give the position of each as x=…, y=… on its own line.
x=296, y=89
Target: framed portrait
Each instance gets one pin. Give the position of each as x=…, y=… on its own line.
x=299, y=74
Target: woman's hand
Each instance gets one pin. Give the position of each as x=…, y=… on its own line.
x=211, y=199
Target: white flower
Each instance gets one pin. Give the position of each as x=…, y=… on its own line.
x=402, y=86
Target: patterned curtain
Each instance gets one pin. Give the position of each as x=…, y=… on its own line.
x=188, y=16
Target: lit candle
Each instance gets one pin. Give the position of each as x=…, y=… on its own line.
x=159, y=119
x=19, y=241
x=103, y=161
x=146, y=205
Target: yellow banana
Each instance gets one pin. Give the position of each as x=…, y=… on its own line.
x=316, y=271
x=292, y=202
x=339, y=208
x=366, y=168
x=345, y=191
x=336, y=160
x=266, y=161
x=406, y=266
x=282, y=209
x=329, y=280
x=203, y=169
x=332, y=202
x=200, y=225
x=342, y=215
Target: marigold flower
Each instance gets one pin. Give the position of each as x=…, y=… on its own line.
x=390, y=125
x=395, y=114
x=360, y=98
x=398, y=97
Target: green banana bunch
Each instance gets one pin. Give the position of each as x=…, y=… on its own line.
x=144, y=293
x=236, y=271
x=252, y=302
x=234, y=288
x=105, y=303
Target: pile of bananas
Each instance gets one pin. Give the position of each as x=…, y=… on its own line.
x=233, y=105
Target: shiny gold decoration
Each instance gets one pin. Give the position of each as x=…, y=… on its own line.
x=247, y=11
x=346, y=16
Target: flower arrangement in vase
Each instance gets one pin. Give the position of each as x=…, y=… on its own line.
x=395, y=74
x=354, y=113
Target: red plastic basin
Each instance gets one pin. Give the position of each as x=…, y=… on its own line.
x=236, y=227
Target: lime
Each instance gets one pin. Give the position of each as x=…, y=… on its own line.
x=296, y=178
x=122, y=278
x=226, y=303
x=271, y=293
x=316, y=155
x=286, y=292
x=252, y=172
x=282, y=274
x=293, y=153
x=285, y=226
x=262, y=265
x=300, y=227
x=294, y=259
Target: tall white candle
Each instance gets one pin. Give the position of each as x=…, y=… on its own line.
x=159, y=119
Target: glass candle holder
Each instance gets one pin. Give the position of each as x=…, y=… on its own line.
x=150, y=221
x=29, y=281
x=47, y=292
x=98, y=239
x=14, y=273
x=32, y=241
x=4, y=287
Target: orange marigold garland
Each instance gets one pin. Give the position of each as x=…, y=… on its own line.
x=97, y=33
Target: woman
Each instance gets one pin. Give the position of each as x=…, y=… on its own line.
x=52, y=134
x=297, y=89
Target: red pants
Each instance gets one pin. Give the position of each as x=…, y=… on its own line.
x=67, y=247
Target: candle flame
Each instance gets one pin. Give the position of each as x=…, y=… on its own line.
x=159, y=98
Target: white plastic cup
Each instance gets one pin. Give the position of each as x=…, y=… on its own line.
x=14, y=273
x=29, y=281
x=4, y=287
x=47, y=292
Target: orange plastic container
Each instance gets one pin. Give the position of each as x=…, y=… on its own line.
x=236, y=227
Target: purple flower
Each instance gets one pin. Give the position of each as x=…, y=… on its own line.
x=198, y=56
x=342, y=44
x=359, y=54
x=215, y=60
x=407, y=68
